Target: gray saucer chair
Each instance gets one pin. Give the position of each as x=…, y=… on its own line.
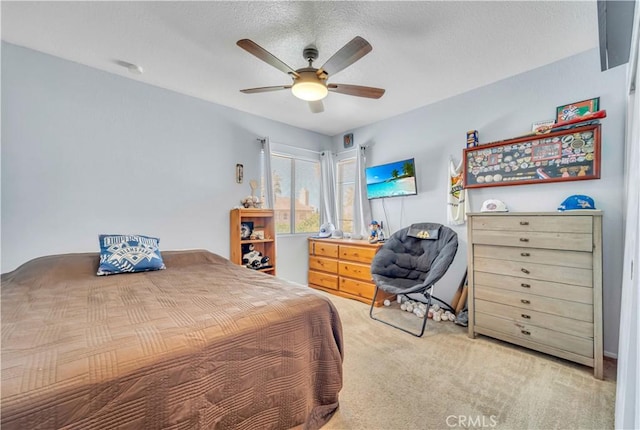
x=412, y=260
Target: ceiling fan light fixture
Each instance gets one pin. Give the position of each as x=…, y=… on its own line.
x=308, y=87
x=309, y=91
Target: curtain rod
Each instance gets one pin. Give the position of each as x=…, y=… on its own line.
x=297, y=147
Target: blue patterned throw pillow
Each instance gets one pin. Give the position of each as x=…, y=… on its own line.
x=129, y=253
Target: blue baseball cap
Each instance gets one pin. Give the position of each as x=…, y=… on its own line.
x=577, y=201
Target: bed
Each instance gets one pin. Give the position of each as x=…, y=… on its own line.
x=204, y=344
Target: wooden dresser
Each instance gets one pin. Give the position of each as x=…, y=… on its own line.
x=343, y=267
x=535, y=280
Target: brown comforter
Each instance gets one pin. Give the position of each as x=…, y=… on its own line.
x=204, y=344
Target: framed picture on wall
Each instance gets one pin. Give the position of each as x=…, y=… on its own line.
x=568, y=155
x=577, y=109
x=348, y=140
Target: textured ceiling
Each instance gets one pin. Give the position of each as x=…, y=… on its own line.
x=422, y=51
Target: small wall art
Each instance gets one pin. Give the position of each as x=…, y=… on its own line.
x=568, y=155
x=239, y=173
x=577, y=109
x=348, y=140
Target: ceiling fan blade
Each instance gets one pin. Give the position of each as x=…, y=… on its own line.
x=316, y=106
x=356, y=90
x=347, y=55
x=265, y=89
x=253, y=48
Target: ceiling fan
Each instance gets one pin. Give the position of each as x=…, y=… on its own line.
x=309, y=83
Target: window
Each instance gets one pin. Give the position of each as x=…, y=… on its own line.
x=346, y=176
x=296, y=189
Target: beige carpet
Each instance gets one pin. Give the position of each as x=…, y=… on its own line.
x=444, y=380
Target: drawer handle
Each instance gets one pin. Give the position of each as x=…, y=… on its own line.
x=525, y=271
x=526, y=302
x=525, y=254
x=525, y=285
x=524, y=222
x=525, y=332
x=525, y=316
x=524, y=239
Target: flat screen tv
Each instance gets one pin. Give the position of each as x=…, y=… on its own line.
x=391, y=180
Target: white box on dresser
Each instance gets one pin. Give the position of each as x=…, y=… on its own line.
x=535, y=280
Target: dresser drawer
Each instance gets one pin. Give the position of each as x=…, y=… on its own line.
x=529, y=332
x=356, y=253
x=323, y=264
x=543, y=272
x=323, y=249
x=554, y=290
x=560, y=223
x=323, y=279
x=358, y=288
x=554, y=257
x=540, y=319
x=355, y=270
x=563, y=308
x=549, y=240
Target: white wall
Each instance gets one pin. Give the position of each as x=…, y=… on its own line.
x=86, y=152
x=504, y=110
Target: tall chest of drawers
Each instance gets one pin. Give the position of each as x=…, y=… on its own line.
x=343, y=267
x=535, y=280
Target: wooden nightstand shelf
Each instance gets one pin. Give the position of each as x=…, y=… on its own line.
x=260, y=220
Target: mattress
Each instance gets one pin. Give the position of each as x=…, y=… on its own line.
x=204, y=344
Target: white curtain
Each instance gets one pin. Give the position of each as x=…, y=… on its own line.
x=361, y=205
x=627, y=413
x=328, y=202
x=267, y=184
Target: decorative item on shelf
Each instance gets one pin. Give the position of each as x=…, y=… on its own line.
x=567, y=155
x=577, y=202
x=376, y=234
x=493, y=205
x=326, y=230
x=252, y=201
x=584, y=120
x=246, y=228
x=252, y=258
x=543, y=126
x=257, y=234
x=239, y=173
x=577, y=110
x=472, y=138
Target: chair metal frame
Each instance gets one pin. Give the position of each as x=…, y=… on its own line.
x=427, y=292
